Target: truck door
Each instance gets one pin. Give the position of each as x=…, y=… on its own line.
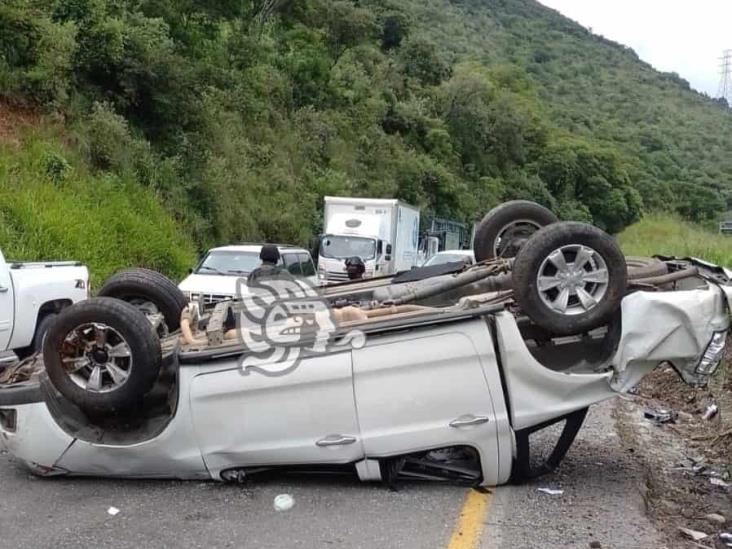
x=427, y=389
x=306, y=415
x=7, y=312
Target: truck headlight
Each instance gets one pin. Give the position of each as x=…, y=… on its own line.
x=713, y=354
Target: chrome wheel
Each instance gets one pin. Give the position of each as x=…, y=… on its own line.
x=512, y=236
x=572, y=279
x=96, y=357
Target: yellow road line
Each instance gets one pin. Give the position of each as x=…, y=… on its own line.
x=469, y=526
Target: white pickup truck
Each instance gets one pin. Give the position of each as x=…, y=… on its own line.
x=440, y=373
x=31, y=295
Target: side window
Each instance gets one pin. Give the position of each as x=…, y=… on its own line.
x=306, y=264
x=292, y=264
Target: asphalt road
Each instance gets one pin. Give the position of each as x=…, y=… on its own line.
x=601, y=502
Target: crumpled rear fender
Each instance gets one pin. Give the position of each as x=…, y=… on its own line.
x=656, y=327
x=673, y=327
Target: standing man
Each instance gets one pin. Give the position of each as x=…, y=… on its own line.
x=270, y=257
x=355, y=268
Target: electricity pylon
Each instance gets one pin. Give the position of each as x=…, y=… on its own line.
x=725, y=82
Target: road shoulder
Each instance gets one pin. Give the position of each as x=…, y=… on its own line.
x=602, y=503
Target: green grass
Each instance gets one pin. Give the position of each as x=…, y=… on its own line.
x=669, y=235
x=53, y=208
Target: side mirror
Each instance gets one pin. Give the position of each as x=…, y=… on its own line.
x=380, y=247
x=388, y=249
x=190, y=271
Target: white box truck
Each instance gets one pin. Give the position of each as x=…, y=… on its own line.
x=384, y=233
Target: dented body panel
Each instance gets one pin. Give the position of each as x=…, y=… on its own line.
x=473, y=380
x=673, y=327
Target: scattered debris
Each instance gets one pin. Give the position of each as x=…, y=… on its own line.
x=693, y=534
x=661, y=415
x=715, y=518
x=685, y=416
x=551, y=491
x=284, y=502
x=711, y=411
x=692, y=464
x=112, y=511
x=595, y=545
x=682, y=459
x=697, y=467
x=726, y=538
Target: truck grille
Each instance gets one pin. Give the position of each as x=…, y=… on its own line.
x=336, y=277
x=209, y=299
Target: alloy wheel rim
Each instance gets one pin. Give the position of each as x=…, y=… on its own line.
x=572, y=279
x=96, y=357
x=512, y=236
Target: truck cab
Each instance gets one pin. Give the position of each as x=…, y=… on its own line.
x=31, y=295
x=336, y=248
x=382, y=232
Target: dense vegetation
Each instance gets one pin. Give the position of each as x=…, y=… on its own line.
x=668, y=235
x=51, y=207
x=239, y=115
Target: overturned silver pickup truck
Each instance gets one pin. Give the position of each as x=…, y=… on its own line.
x=439, y=373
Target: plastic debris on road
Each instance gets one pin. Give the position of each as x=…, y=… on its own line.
x=112, y=511
x=711, y=411
x=284, y=502
x=718, y=482
x=694, y=465
x=726, y=538
x=551, y=491
x=715, y=518
x=660, y=416
x=693, y=534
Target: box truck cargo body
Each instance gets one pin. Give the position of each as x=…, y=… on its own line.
x=384, y=233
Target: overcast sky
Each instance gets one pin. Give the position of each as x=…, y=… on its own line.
x=681, y=36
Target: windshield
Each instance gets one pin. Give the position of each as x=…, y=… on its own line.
x=229, y=263
x=343, y=247
x=439, y=259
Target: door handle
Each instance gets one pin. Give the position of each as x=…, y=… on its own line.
x=468, y=420
x=335, y=440
x=3, y=289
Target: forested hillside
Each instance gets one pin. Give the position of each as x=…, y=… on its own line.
x=230, y=119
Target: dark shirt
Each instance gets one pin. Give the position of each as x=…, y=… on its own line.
x=268, y=271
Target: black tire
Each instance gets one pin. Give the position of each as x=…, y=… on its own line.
x=533, y=261
x=645, y=267
x=499, y=218
x=150, y=286
x=36, y=345
x=132, y=326
x=41, y=330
